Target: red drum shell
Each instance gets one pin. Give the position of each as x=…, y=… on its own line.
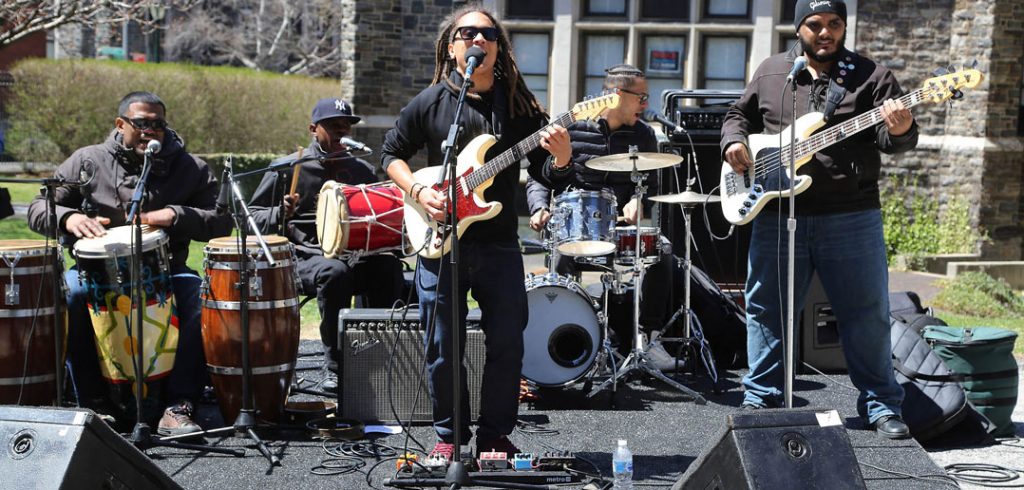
x=27, y=376
x=625, y=239
x=273, y=326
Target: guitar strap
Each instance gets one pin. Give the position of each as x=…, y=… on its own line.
x=841, y=73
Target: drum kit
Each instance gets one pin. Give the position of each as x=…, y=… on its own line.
x=566, y=339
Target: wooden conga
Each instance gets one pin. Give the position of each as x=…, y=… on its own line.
x=273, y=324
x=28, y=270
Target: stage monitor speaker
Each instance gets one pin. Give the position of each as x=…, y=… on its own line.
x=376, y=345
x=58, y=448
x=771, y=449
x=819, y=333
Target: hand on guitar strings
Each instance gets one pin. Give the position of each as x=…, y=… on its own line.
x=555, y=139
x=737, y=156
x=432, y=202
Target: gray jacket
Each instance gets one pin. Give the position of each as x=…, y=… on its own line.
x=178, y=181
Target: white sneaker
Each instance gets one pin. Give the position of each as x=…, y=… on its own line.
x=658, y=356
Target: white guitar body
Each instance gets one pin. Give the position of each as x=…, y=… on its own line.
x=424, y=233
x=744, y=195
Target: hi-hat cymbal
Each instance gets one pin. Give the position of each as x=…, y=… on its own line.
x=622, y=162
x=686, y=197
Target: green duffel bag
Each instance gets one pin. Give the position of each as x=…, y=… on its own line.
x=982, y=358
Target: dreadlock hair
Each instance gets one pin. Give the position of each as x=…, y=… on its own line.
x=522, y=102
x=622, y=76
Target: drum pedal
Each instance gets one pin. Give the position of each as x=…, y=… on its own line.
x=555, y=460
x=493, y=460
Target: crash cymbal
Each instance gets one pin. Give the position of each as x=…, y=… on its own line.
x=687, y=197
x=621, y=162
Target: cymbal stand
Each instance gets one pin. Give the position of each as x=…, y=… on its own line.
x=637, y=359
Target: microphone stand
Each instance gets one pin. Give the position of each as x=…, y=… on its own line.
x=245, y=422
x=142, y=436
x=791, y=256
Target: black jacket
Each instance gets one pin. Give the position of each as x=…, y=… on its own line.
x=265, y=203
x=425, y=122
x=591, y=140
x=178, y=180
x=845, y=175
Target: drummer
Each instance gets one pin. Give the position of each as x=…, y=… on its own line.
x=334, y=281
x=614, y=133
x=180, y=199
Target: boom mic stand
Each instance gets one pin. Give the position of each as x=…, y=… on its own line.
x=141, y=436
x=245, y=422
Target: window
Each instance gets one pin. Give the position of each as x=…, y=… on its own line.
x=602, y=51
x=727, y=8
x=664, y=58
x=786, y=42
x=533, y=52
x=530, y=9
x=788, y=12
x=606, y=8
x=725, y=62
x=674, y=10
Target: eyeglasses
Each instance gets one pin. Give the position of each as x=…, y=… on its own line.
x=144, y=124
x=643, y=97
x=469, y=33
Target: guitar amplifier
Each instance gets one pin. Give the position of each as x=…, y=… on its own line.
x=382, y=365
x=702, y=118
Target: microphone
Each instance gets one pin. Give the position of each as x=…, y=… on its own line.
x=474, y=56
x=798, y=66
x=355, y=145
x=651, y=116
x=153, y=147
x=224, y=198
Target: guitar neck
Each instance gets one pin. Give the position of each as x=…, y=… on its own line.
x=512, y=155
x=819, y=141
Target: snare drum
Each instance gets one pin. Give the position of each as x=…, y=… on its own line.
x=104, y=268
x=563, y=335
x=583, y=223
x=273, y=323
x=365, y=218
x=626, y=238
x=28, y=270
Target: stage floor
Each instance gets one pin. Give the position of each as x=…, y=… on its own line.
x=665, y=432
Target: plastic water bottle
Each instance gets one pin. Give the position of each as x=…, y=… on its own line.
x=622, y=467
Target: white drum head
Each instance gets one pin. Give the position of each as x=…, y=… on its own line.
x=563, y=335
x=117, y=242
x=586, y=248
x=330, y=210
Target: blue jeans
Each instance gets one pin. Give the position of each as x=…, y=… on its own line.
x=494, y=272
x=188, y=377
x=848, y=252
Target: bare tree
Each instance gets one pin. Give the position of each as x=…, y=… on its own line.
x=285, y=36
x=20, y=18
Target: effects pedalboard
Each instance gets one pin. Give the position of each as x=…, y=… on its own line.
x=527, y=468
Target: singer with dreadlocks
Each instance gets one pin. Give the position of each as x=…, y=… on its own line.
x=489, y=262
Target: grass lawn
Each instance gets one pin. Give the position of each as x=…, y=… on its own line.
x=22, y=193
x=1014, y=324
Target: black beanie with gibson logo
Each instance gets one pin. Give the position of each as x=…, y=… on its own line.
x=806, y=8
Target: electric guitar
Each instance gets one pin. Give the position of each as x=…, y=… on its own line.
x=433, y=239
x=744, y=195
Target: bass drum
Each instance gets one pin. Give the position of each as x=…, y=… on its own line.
x=563, y=335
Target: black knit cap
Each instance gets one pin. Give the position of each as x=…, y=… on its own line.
x=806, y=8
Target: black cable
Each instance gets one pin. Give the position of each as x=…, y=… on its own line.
x=907, y=476
x=985, y=475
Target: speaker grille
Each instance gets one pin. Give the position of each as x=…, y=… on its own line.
x=367, y=339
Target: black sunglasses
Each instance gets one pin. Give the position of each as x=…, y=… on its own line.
x=144, y=124
x=643, y=97
x=469, y=33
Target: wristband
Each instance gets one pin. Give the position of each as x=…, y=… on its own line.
x=416, y=195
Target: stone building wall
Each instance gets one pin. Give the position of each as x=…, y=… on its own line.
x=969, y=148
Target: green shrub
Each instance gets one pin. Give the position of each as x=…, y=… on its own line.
x=57, y=106
x=240, y=163
x=914, y=227
x=978, y=294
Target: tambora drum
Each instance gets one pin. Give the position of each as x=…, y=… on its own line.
x=28, y=270
x=104, y=267
x=359, y=219
x=583, y=223
x=273, y=323
x=626, y=238
x=563, y=335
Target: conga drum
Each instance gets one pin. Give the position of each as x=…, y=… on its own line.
x=273, y=323
x=28, y=270
x=105, y=268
